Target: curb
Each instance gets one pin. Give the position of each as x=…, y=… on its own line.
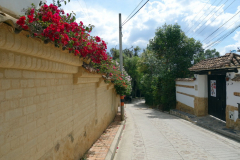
x=224, y=133
x=113, y=147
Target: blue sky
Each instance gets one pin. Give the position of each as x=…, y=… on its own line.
x=189, y=14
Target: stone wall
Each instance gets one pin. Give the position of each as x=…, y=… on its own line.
x=200, y=106
x=185, y=108
x=50, y=107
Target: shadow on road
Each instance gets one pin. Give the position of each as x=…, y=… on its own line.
x=139, y=104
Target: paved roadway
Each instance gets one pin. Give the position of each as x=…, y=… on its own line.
x=154, y=135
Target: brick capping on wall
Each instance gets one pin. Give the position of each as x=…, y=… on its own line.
x=186, y=94
x=185, y=79
x=185, y=86
x=10, y=59
x=34, y=47
x=236, y=94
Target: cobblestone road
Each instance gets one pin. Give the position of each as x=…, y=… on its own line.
x=153, y=135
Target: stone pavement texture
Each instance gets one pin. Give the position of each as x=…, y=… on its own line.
x=209, y=122
x=100, y=148
x=153, y=135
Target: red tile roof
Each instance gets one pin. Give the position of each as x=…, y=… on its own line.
x=229, y=60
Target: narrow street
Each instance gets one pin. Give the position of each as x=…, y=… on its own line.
x=153, y=135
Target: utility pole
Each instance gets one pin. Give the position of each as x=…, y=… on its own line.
x=121, y=62
x=120, y=43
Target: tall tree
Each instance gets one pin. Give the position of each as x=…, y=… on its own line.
x=137, y=49
x=205, y=55
x=174, y=51
x=114, y=53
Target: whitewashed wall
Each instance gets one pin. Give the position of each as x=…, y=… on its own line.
x=184, y=98
x=200, y=90
x=202, y=86
x=231, y=87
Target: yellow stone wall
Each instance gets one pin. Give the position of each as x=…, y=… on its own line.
x=50, y=107
x=200, y=106
x=185, y=108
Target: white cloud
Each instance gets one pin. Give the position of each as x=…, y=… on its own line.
x=234, y=46
x=236, y=37
x=154, y=14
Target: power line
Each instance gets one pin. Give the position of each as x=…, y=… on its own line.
x=87, y=11
x=199, y=18
x=198, y=12
x=132, y=12
x=221, y=26
x=219, y=40
x=217, y=16
x=83, y=10
x=135, y=13
x=210, y=16
x=223, y=31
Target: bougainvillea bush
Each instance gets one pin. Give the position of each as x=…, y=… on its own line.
x=122, y=82
x=51, y=24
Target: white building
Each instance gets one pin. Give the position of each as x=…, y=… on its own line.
x=215, y=90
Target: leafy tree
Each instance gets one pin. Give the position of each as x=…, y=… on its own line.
x=127, y=52
x=136, y=50
x=131, y=66
x=174, y=51
x=205, y=55
x=114, y=53
x=130, y=61
x=149, y=67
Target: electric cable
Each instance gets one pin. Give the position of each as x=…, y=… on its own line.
x=221, y=26
x=87, y=11
x=200, y=17
x=210, y=16
x=198, y=12
x=132, y=11
x=83, y=10
x=222, y=31
x=135, y=13
x=223, y=37
x=217, y=16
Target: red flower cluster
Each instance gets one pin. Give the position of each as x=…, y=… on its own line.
x=21, y=22
x=64, y=31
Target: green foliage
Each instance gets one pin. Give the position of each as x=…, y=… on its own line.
x=168, y=56
x=111, y=71
x=114, y=53
x=205, y=55
x=150, y=66
x=131, y=66
x=130, y=63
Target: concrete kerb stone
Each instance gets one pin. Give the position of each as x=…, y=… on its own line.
x=224, y=133
x=113, y=147
x=220, y=131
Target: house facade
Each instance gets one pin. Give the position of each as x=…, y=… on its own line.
x=215, y=90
